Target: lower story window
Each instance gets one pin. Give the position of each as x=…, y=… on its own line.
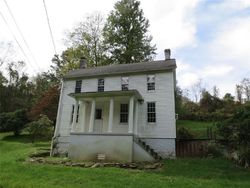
x=77, y=114
x=124, y=113
x=151, y=112
x=72, y=114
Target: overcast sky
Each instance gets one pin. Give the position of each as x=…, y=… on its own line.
x=210, y=39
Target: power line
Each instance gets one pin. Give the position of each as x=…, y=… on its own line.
x=13, y=35
x=19, y=30
x=52, y=38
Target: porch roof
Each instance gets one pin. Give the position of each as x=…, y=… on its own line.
x=115, y=93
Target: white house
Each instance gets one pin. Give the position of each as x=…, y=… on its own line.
x=122, y=112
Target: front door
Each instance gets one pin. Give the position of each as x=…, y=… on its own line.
x=98, y=120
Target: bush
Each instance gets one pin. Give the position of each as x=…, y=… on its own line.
x=236, y=133
x=244, y=157
x=43, y=127
x=184, y=133
x=214, y=149
x=13, y=121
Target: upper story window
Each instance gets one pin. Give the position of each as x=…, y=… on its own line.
x=124, y=83
x=151, y=82
x=78, y=86
x=124, y=113
x=151, y=112
x=100, y=85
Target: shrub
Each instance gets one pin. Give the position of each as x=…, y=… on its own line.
x=184, y=133
x=236, y=133
x=43, y=127
x=13, y=121
x=214, y=149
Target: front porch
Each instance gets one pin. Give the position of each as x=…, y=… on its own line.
x=100, y=112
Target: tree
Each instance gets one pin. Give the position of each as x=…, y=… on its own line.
x=125, y=34
x=40, y=128
x=46, y=104
x=13, y=121
x=245, y=83
x=86, y=40
x=197, y=89
x=239, y=93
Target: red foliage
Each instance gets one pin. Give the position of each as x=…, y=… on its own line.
x=47, y=105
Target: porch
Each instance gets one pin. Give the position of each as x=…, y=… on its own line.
x=113, y=112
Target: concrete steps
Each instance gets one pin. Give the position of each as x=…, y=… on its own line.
x=148, y=149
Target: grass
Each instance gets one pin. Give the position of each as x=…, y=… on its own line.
x=14, y=172
x=199, y=128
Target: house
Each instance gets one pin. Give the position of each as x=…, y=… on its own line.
x=122, y=112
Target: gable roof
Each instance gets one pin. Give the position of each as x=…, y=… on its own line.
x=118, y=69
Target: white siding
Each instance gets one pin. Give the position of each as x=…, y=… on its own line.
x=163, y=96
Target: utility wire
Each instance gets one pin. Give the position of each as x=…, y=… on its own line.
x=19, y=30
x=51, y=34
x=13, y=35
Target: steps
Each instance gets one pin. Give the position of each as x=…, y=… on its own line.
x=147, y=148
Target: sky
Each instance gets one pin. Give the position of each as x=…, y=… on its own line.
x=210, y=39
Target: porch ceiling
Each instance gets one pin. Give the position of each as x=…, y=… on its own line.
x=96, y=94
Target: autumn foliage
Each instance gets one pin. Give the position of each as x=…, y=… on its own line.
x=46, y=104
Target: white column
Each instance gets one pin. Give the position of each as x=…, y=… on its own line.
x=92, y=116
x=73, y=128
x=111, y=115
x=130, y=116
x=136, y=117
x=82, y=127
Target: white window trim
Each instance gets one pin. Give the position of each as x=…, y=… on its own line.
x=151, y=123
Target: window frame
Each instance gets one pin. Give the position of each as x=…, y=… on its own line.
x=122, y=113
x=124, y=86
x=77, y=113
x=72, y=114
x=151, y=113
x=78, y=86
x=100, y=87
x=151, y=84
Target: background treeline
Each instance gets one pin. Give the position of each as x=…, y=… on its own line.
x=201, y=105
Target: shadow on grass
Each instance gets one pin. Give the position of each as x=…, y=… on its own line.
x=26, y=138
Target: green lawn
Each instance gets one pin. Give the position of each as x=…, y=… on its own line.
x=199, y=128
x=14, y=172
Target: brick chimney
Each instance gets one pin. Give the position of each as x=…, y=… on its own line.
x=167, y=53
x=83, y=63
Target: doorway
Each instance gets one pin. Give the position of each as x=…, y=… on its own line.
x=98, y=120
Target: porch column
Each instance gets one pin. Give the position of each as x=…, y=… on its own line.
x=73, y=128
x=82, y=127
x=92, y=116
x=130, y=116
x=136, y=117
x=111, y=114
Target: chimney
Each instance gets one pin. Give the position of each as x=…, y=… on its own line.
x=167, y=53
x=83, y=63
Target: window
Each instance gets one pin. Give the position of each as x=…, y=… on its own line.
x=100, y=84
x=72, y=114
x=151, y=82
x=124, y=113
x=124, y=83
x=78, y=86
x=151, y=112
x=98, y=114
x=77, y=113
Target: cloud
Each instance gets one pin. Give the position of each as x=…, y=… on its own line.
x=221, y=56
